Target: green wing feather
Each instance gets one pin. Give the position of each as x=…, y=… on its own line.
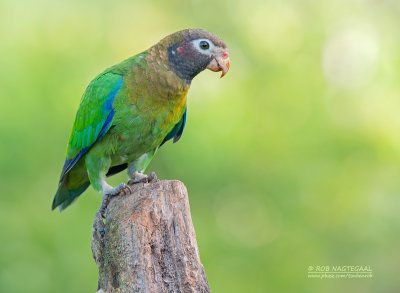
x=94, y=117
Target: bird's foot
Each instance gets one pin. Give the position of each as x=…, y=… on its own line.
x=121, y=189
x=143, y=178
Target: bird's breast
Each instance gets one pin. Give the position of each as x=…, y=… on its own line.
x=146, y=123
x=155, y=100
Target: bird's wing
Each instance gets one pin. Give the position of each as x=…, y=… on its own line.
x=177, y=131
x=94, y=117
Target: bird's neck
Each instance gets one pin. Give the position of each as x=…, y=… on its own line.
x=167, y=80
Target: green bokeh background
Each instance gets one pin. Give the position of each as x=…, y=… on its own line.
x=292, y=160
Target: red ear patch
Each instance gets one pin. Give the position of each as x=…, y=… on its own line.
x=179, y=49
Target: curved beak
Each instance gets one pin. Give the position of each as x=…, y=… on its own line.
x=220, y=63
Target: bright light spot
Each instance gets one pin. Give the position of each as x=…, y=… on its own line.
x=349, y=58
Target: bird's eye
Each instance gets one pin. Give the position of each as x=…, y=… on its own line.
x=204, y=45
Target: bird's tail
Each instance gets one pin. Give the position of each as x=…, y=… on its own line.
x=65, y=195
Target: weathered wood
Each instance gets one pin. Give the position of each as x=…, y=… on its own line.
x=148, y=243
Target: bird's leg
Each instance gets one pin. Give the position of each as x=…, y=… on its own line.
x=140, y=164
x=109, y=192
x=139, y=177
x=97, y=167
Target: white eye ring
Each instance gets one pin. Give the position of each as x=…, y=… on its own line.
x=198, y=42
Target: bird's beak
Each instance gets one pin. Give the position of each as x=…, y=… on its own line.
x=220, y=63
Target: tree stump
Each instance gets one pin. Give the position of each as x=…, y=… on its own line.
x=148, y=243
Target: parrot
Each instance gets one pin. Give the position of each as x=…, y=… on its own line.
x=131, y=109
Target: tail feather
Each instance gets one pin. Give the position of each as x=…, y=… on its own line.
x=65, y=196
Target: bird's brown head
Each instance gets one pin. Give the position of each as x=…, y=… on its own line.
x=191, y=51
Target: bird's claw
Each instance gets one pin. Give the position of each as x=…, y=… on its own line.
x=146, y=179
x=104, y=204
x=122, y=189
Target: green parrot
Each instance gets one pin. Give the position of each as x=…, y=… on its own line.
x=131, y=109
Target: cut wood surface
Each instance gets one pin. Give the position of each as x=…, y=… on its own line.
x=148, y=243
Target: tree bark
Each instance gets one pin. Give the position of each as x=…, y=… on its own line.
x=148, y=243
